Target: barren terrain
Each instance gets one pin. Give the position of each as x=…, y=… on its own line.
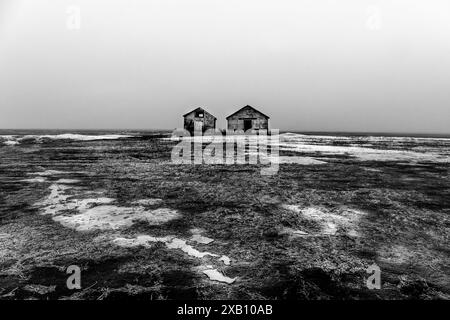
x=140, y=227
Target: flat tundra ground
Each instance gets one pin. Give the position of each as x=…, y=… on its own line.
x=140, y=227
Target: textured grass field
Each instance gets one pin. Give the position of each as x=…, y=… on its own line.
x=308, y=232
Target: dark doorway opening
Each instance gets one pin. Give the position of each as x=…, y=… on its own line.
x=247, y=124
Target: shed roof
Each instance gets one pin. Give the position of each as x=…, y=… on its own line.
x=247, y=106
x=199, y=108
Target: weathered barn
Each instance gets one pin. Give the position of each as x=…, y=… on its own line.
x=248, y=118
x=199, y=120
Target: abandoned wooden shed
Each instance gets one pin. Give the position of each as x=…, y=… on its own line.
x=248, y=118
x=199, y=120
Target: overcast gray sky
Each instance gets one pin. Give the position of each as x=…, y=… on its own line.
x=349, y=65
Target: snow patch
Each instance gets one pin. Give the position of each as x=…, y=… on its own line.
x=47, y=173
x=226, y=260
x=97, y=213
x=296, y=160
x=170, y=242
x=396, y=254
x=181, y=244
x=201, y=239
x=69, y=181
x=57, y=201
x=215, y=275
x=331, y=223
x=110, y=217
x=293, y=232
x=324, y=145
x=32, y=180
x=147, y=202
x=373, y=170
x=196, y=231
x=12, y=140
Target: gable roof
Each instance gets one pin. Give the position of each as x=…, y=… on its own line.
x=199, y=108
x=247, y=106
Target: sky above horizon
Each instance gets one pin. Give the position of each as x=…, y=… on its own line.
x=315, y=65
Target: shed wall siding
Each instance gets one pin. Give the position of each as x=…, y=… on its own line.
x=208, y=121
x=259, y=121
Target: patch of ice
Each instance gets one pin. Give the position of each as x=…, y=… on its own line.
x=303, y=137
x=98, y=213
x=14, y=140
x=181, y=244
x=215, y=275
x=84, y=137
x=353, y=233
x=196, y=231
x=69, y=181
x=107, y=217
x=330, y=228
x=372, y=170
x=10, y=142
x=293, y=233
x=58, y=202
x=173, y=242
x=296, y=160
x=363, y=148
x=170, y=242
x=32, y=180
x=148, y=202
x=347, y=219
x=141, y=240
x=47, y=173
x=55, y=201
x=201, y=239
x=226, y=260
x=397, y=254
x=160, y=215
x=324, y=145
x=84, y=204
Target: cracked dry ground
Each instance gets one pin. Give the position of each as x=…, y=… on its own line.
x=141, y=228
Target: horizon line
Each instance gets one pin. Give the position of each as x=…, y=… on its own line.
x=281, y=130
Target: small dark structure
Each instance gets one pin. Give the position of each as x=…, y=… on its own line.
x=248, y=118
x=199, y=120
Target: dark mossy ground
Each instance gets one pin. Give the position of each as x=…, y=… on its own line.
x=404, y=229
